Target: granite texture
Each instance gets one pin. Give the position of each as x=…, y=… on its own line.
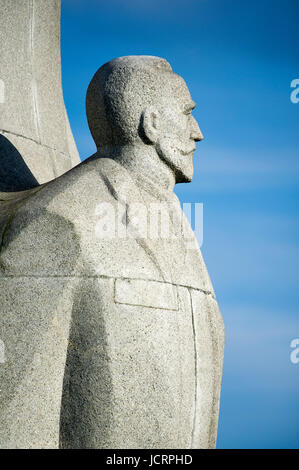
x=112, y=333
x=33, y=118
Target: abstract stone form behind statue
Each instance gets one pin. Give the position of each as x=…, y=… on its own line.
x=36, y=142
x=112, y=333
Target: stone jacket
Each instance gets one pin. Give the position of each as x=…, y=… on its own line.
x=112, y=333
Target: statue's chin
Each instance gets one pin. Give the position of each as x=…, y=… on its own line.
x=183, y=176
x=181, y=163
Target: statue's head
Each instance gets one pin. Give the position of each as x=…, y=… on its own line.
x=140, y=101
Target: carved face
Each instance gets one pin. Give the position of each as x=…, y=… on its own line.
x=178, y=132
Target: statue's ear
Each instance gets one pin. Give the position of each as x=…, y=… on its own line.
x=150, y=124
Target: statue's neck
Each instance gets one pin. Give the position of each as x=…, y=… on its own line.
x=145, y=167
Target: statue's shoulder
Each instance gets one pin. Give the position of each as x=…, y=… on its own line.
x=50, y=229
x=77, y=190
x=80, y=183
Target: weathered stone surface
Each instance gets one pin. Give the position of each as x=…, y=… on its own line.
x=209, y=350
x=113, y=319
x=8, y=203
x=35, y=319
x=126, y=375
x=33, y=119
x=98, y=254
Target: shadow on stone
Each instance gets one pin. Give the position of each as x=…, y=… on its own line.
x=14, y=173
x=40, y=243
x=82, y=415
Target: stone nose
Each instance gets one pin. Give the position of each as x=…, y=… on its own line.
x=196, y=133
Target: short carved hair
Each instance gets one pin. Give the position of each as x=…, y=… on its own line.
x=118, y=93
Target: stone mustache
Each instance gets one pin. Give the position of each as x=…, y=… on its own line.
x=113, y=338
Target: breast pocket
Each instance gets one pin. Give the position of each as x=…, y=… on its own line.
x=152, y=294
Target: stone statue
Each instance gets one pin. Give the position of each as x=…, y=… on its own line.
x=36, y=141
x=112, y=333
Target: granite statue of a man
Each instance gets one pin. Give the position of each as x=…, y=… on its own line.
x=113, y=337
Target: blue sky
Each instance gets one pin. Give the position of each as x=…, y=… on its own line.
x=238, y=59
